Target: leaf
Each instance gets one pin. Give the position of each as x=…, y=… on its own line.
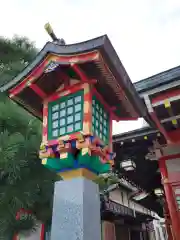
x=24, y=182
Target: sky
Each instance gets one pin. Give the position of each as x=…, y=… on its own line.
x=145, y=33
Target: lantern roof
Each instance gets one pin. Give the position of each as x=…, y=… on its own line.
x=94, y=59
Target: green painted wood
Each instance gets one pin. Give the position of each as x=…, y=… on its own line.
x=65, y=115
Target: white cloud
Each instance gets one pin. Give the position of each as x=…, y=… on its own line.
x=145, y=33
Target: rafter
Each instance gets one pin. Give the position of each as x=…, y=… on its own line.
x=84, y=78
x=38, y=90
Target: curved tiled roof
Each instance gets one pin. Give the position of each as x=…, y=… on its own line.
x=158, y=79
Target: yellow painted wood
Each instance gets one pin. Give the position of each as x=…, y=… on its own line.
x=174, y=122
x=167, y=103
x=44, y=161
x=78, y=173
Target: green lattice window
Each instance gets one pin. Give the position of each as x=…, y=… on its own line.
x=178, y=201
x=65, y=115
x=100, y=121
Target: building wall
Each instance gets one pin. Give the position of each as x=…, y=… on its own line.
x=108, y=231
x=158, y=231
x=121, y=196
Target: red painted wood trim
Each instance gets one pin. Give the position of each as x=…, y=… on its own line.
x=102, y=101
x=38, y=90
x=80, y=72
x=110, y=132
x=168, y=221
x=15, y=237
x=85, y=57
x=160, y=127
x=175, y=135
x=175, y=184
x=34, y=74
x=172, y=206
x=84, y=78
x=42, y=234
x=45, y=122
x=174, y=178
x=169, y=157
x=70, y=89
x=167, y=95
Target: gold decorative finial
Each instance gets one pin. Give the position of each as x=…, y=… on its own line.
x=51, y=33
x=48, y=28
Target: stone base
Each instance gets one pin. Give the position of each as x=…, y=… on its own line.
x=76, y=210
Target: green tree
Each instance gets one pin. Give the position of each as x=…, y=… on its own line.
x=24, y=182
x=105, y=181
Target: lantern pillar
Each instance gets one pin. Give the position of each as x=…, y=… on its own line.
x=76, y=210
x=77, y=145
x=82, y=88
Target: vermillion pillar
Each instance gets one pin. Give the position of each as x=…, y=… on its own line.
x=173, y=211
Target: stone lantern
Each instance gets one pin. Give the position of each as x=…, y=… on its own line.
x=77, y=90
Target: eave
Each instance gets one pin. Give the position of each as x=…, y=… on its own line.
x=161, y=94
x=126, y=94
x=136, y=145
x=170, y=76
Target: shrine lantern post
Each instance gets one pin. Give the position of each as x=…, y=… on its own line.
x=77, y=90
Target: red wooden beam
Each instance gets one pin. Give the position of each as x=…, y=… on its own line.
x=160, y=127
x=170, y=198
x=79, y=71
x=84, y=78
x=38, y=90
x=42, y=234
x=32, y=76
x=169, y=157
x=71, y=89
x=155, y=118
x=167, y=95
x=36, y=72
x=175, y=135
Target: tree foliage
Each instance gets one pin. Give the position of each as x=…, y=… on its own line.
x=24, y=182
x=105, y=181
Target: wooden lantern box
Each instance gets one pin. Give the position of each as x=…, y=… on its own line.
x=77, y=90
